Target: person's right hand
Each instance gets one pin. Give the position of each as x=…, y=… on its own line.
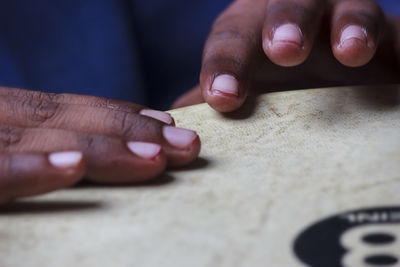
x=50, y=141
x=271, y=45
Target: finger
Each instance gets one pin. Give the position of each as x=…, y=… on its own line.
x=92, y=101
x=356, y=31
x=191, y=97
x=289, y=30
x=180, y=145
x=109, y=159
x=27, y=174
x=229, y=54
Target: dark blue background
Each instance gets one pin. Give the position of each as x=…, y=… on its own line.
x=148, y=52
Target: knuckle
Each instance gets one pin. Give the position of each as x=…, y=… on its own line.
x=136, y=127
x=88, y=141
x=122, y=123
x=46, y=96
x=38, y=95
x=39, y=110
x=110, y=104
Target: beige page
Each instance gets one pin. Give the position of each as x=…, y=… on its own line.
x=311, y=175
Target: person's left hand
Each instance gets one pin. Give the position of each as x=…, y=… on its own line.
x=51, y=141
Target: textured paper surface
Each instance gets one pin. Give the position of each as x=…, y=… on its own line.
x=298, y=157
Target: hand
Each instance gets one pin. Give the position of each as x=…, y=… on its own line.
x=293, y=44
x=50, y=141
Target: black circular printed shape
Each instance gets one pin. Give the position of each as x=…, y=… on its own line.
x=324, y=242
x=379, y=239
x=381, y=260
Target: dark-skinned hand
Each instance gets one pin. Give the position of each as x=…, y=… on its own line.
x=272, y=45
x=50, y=141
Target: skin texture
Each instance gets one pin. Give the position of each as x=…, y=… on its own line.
x=293, y=44
x=36, y=125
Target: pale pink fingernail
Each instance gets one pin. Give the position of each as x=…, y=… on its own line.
x=225, y=84
x=158, y=115
x=288, y=33
x=144, y=150
x=179, y=137
x=353, y=32
x=65, y=159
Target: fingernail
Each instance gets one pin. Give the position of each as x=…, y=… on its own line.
x=288, y=33
x=179, y=137
x=158, y=115
x=353, y=32
x=225, y=84
x=144, y=150
x=65, y=159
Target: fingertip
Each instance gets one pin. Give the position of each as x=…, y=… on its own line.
x=225, y=84
x=356, y=31
x=136, y=161
x=354, y=47
x=285, y=46
x=65, y=159
x=225, y=94
x=185, y=156
x=224, y=104
x=145, y=150
x=183, y=145
x=158, y=115
x=149, y=162
x=69, y=165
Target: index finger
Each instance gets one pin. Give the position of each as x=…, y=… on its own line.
x=92, y=101
x=230, y=52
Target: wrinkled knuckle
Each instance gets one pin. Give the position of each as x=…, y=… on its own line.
x=40, y=110
x=122, y=122
x=87, y=141
x=38, y=95
x=55, y=97
x=106, y=103
x=10, y=137
x=139, y=128
x=92, y=101
x=45, y=96
x=110, y=104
